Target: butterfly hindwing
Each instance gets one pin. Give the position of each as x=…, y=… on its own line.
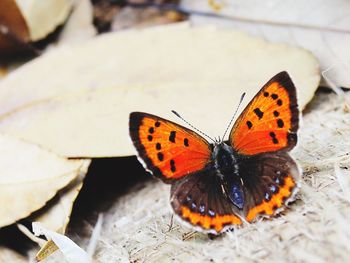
x=270, y=121
x=169, y=151
x=199, y=200
x=270, y=181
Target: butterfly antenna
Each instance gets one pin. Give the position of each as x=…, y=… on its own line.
x=234, y=115
x=189, y=124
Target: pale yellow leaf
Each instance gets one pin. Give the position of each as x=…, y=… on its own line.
x=30, y=176
x=56, y=215
x=42, y=17
x=76, y=100
x=321, y=26
x=79, y=26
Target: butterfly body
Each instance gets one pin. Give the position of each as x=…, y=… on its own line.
x=215, y=186
x=226, y=167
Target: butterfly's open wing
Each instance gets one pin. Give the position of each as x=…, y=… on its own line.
x=270, y=121
x=270, y=182
x=168, y=150
x=199, y=200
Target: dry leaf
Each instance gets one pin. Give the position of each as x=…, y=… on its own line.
x=42, y=17
x=56, y=215
x=129, y=17
x=13, y=28
x=30, y=176
x=79, y=26
x=71, y=251
x=88, y=90
x=320, y=26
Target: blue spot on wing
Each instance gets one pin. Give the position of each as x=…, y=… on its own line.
x=236, y=195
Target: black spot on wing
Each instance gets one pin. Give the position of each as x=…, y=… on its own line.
x=280, y=123
x=172, y=166
x=150, y=138
x=160, y=156
x=186, y=142
x=274, y=96
x=258, y=113
x=158, y=146
x=172, y=136
x=249, y=124
x=273, y=137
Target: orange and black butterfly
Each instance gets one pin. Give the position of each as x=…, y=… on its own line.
x=215, y=186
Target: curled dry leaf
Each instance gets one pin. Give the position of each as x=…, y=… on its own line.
x=30, y=176
x=24, y=21
x=56, y=215
x=79, y=26
x=71, y=251
x=42, y=17
x=89, y=89
x=13, y=28
x=320, y=26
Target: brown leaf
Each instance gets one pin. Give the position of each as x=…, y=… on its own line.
x=13, y=28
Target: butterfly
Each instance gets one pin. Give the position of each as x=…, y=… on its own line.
x=217, y=185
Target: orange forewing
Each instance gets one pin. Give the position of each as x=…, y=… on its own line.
x=270, y=121
x=169, y=150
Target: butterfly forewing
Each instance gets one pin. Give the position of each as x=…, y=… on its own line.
x=270, y=121
x=169, y=150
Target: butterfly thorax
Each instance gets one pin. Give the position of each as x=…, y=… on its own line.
x=225, y=160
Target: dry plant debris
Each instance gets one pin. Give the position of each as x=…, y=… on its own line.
x=42, y=17
x=25, y=21
x=101, y=81
x=118, y=15
x=56, y=215
x=30, y=177
x=13, y=28
x=321, y=26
